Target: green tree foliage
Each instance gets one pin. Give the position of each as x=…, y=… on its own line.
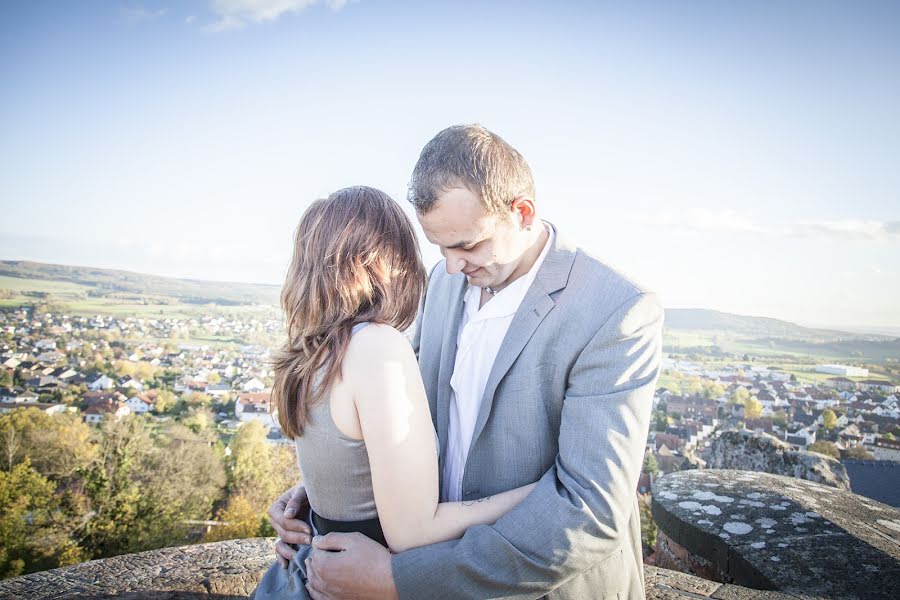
x=712, y=390
x=740, y=395
x=6, y=380
x=648, y=529
x=826, y=448
x=57, y=446
x=660, y=421
x=691, y=386
x=650, y=465
x=257, y=470
x=780, y=419
x=165, y=401
x=24, y=498
x=141, y=493
x=829, y=419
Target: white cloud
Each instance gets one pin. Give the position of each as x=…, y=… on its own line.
x=729, y=221
x=851, y=229
x=139, y=14
x=236, y=14
x=190, y=19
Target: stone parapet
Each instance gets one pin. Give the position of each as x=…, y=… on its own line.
x=230, y=570
x=749, y=451
x=778, y=533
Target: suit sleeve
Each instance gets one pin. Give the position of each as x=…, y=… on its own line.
x=578, y=514
x=416, y=339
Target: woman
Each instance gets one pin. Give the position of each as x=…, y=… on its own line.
x=348, y=389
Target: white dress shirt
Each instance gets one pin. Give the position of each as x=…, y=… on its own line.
x=481, y=331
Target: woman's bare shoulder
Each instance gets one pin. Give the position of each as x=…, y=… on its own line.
x=374, y=345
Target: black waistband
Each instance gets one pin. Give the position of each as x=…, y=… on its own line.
x=370, y=527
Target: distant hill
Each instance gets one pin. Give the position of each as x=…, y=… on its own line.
x=191, y=291
x=701, y=319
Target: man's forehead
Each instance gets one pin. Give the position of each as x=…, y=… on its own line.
x=456, y=217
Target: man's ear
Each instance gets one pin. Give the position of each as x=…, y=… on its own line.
x=524, y=206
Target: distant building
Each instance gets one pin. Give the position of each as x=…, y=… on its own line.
x=884, y=449
x=255, y=406
x=843, y=370
x=841, y=383
x=101, y=383
x=94, y=414
x=50, y=409
x=878, y=385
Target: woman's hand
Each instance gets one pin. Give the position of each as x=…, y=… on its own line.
x=285, y=515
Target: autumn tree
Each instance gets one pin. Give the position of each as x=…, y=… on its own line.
x=829, y=419
x=826, y=448
x=858, y=453
x=752, y=408
x=238, y=520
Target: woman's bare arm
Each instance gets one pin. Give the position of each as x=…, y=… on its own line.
x=381, y=368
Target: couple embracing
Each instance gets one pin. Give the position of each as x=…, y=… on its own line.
x=497, y=456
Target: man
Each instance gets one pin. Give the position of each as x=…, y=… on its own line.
x=539, y=363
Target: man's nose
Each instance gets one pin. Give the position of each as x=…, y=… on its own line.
x=455, y=264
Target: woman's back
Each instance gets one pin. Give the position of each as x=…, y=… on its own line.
x=335, y=466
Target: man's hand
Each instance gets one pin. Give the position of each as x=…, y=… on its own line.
x=349, y=565
x=292, y=530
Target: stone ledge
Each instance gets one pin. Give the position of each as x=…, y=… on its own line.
x=220, y=570
x=779, y=533
x=230, y=570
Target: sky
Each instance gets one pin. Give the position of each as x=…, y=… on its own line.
x=740, y=156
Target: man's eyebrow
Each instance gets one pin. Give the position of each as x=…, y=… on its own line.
x=460, y=245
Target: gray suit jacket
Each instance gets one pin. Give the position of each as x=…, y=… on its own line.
x=567, y=403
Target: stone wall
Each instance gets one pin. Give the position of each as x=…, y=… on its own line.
x=230, y=570
x=763, y=531
x=749, y=451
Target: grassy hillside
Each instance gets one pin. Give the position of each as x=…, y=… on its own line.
x=103, y=282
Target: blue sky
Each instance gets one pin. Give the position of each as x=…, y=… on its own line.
x=732, y=155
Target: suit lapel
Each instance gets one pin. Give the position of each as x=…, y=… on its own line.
x=457, y=291
x=551, y=277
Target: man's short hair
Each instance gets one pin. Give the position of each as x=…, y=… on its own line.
x=472, y=157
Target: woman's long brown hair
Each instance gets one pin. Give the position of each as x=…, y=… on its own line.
x=356, y=259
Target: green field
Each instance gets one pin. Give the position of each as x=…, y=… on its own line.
x=77, y=300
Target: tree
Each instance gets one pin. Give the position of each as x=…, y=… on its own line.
x=165, y=401
x=752, y=408
x=826, y=448
x=57, y=446
x=25, y=496
x=6, y=380
x=660, y=422
x=829, y=419
x=740, y=395
x=712, y=390
x=648, y=528
x=650, y=465
x=780, y=419
x=692, y=386
x=858, y=453
x=258, y=470
x=239, y=520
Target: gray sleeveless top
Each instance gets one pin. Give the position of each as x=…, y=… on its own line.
x=334, y=467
